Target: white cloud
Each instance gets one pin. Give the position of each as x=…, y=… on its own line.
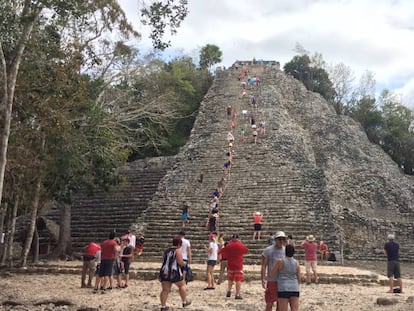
x=375, y=35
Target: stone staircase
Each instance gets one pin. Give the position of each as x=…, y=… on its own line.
x=312, y=173
x=290, y=192
x=95, y=214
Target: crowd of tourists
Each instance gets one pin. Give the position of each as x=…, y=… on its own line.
x=109, y=262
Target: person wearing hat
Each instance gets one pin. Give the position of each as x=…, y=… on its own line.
x=311, y=258
x=270, y=256
x=392, y=251
x=257, y=218
x=186, y=251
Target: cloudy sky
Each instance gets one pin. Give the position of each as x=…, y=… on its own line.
x=374, y=35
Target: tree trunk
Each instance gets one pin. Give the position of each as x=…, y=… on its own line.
x=30, y=14
x=35, y=246
x=3, y=211
x=64, y=246
x=32, y=225
x=11, y=230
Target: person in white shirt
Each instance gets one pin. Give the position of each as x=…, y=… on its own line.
x=186, y=250
x=212, y=251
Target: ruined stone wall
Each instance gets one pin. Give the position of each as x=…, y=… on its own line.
x=368, y=194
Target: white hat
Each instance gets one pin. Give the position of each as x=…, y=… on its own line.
x=258, y=213
x=310, y=238
x=391, y=236
x=280, y=234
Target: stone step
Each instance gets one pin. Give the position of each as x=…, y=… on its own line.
x=149, y=271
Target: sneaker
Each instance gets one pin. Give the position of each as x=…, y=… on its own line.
x=165, y=308
x=238, y=297
x=228, y=295
x=95, y=290
x=103, y=291
x=187, y=303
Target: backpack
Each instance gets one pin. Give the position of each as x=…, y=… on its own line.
x=170, y=270
x=189, y=277
x=331, y=257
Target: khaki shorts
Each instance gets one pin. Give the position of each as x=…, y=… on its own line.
x=310, y=264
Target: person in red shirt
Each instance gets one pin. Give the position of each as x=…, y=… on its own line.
x=324, y=250
x=108, y=253
x=234, y=252
x=311, y=247
x=89, y=263
x=257, y=217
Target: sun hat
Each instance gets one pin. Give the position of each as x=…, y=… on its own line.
x=280, y=234
x=310, y=238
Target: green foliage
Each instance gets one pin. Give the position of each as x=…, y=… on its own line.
x=209, y=56
x=315, y=79
x=388, y=127
x=161, y=15
x=185, y=86
x=365, y=112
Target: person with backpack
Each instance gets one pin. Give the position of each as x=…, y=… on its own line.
x=171, y=272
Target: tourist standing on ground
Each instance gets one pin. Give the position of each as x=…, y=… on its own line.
x=222, y=259
x=185, y=209
x=117, y=269
x=127, y=253
x=89, y=263
x=270, y=256
x=98, y=280
x=288, y=279
x=185, y=251
x=311, y=258
x=212, y=250
x=171, y=272
x=392, y=251
x=234, y=252
x=257, y=219
x=290, y=240
x=108, y=255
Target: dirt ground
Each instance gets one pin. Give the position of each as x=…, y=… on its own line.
x=37, y=292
